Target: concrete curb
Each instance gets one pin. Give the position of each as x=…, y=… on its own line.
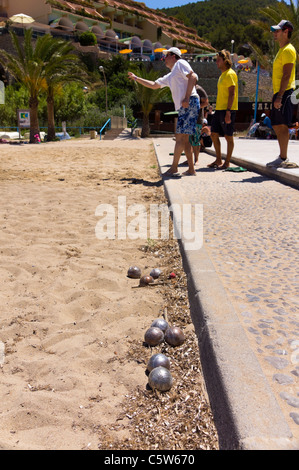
x=278, y=175
x=246, y=413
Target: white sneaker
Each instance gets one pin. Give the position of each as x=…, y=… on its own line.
x=278, y=163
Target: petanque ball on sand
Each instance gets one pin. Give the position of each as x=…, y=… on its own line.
x=146, y=280
x=160, y=323
x=153, y=336
x=158, y=360
x=155, y=273
x=174, y=336
x=160, y=379
x=134, y=272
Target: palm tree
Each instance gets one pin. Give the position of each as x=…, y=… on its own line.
x=41, y=68
x=26, y=68
x=61, y=66
x=282, y=11
x=147, y=97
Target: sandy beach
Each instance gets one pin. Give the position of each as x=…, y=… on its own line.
x=73, y=371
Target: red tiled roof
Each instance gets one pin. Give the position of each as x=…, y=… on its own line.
x=78, y=7
x=171, y=27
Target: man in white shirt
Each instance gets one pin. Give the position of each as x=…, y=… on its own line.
x=181, y=80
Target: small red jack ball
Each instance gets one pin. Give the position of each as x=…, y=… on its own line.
x=172, y=275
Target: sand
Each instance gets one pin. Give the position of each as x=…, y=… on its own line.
x=71, y=322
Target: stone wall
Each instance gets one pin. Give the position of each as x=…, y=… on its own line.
x=208, y=74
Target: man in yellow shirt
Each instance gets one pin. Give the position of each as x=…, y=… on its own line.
x=283, y=86
x=226, y=106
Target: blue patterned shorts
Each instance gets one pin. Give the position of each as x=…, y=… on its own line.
x=187, y=117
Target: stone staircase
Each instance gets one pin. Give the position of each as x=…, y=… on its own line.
x=112, y=134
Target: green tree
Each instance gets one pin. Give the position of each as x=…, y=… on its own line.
x=147, y=97
x=16, y=97
x=216, y=20
x=70, y=102
x=27, y=68
x=281, y=11
x=41, y=68
x=61, y=66
x=88, y=39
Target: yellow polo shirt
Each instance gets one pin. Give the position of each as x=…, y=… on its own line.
x=285, y=55
x=226, y=80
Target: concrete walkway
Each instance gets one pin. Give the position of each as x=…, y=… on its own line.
x=253, y=154
x=243, y=287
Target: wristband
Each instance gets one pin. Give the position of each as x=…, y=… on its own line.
x=228, y=110
x=279, y=96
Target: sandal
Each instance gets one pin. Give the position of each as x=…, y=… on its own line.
x=213, y=165
x=170, y=174
x=235, y=168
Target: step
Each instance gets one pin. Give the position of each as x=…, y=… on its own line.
x=112, y=134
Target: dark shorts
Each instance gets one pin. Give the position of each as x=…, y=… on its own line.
x=284, y=115
x=219, y=126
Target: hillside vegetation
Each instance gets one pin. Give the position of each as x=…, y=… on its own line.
x=221, y=21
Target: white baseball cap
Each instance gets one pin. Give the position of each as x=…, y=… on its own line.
x=284, y=24
x=174, y=50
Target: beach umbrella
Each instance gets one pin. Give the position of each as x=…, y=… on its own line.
x=243, y=61
x=183, y=51
x=160, y=49
x=125, y=51
x=22, y=18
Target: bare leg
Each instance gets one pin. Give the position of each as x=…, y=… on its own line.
x=178, y=150
x=217, y=146
x=282, y=133
x=189, y=155
x=196, y=151
x=230, y=148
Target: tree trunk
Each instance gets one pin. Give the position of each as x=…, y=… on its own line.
x=145, y=132
x=51, y=118
x=34, y=124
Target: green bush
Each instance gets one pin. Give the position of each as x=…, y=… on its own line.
x=88, y=39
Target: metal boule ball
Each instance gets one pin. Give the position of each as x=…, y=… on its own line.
x=160, y=379
x=153, y=336
x=174, y=336
x=160, y=323
x=158, y=360
x=146, y=280
x=155, y=273
x=134, y=272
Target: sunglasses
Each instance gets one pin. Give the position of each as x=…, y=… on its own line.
x=220, y=54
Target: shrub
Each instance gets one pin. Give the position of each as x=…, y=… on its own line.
x=88, y=39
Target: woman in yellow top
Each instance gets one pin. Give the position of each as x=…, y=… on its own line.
x=226, y=106
x=283, y=80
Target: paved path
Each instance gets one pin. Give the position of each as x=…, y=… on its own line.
x=243, y=290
